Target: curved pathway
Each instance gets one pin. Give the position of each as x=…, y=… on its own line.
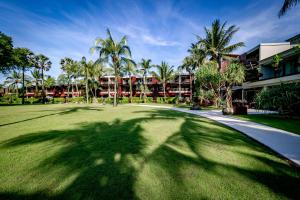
x=283, y=142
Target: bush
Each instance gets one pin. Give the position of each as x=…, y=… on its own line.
x=284, y=98
x=59, y=100
x=32, y=100
x=10, y=99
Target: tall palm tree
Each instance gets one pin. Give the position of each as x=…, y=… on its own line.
x=129, y=68
x=44, y=64
x=36, y=75
x=216, y=42
x=189, y=66
x=145, y=69
x=287, y=4
x=113, y=52
x=22, y=59
x=165, y=74
x=85, y=70
x=66, y=66
x=13, y=80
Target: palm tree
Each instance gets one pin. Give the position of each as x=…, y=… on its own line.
x=129, y=69
x=22, y=59
x=85, y=68
x=44, y=64
x=114, y=53
x=188, y=66
x=13, y=80
x=49, y=82
x=287, y=4
x=165, y=74
x=216, y=43
x=66, y=66
x=36, y=75
x=145, y=69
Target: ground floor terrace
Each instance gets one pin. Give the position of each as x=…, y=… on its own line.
x=99, y=152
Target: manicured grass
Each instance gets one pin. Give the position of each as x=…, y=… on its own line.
x=94, y=152
x=276, y=121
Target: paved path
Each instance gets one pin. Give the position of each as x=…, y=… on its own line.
x=283, y=142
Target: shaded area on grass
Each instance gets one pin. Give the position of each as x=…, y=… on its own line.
x=109, y=160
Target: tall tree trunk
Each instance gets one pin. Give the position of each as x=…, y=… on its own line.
x=23, y=85
x=191, y=87
x=219, y=63
x=76, y=86
x=144, y=96
x=164, y=87
x=130, y=89
x=115, y=90
x=86, y=87
x=72, y=88
x=179, y=86
x=43, y=88
x=109, y=88
x=229, y=97
x=68, y=90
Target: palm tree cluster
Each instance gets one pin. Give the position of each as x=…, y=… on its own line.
x=25, y=60
x=215, y=46
x=117, y=55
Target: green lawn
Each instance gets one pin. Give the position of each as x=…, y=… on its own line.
x=81, y=152
x=276, y=121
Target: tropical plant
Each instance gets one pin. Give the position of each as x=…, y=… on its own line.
x=276, y=61
x=36, y=75
x=85, y=70
x=287, y=4
x=232, y=75
x=42, y=63
x=129, y=68
x=22, y=58
x=145, y=70
x=216, y=42
x=208, y=78
x=114, y=53
x=6, y=53
x=67, y=67
x=13, y=80
x=165, y=74
x=49, y=82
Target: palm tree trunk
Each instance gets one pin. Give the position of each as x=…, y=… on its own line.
x=43, y=88
x=179, y=86
x=191, y=87
x=130, y=89
x=229, y=97
x=144, y=96
x=109, y=87
x=23, y=85
x=86, y=87
x=115, y=90
x=164, y=87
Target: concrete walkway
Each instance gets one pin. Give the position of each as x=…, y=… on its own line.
x=283, y=142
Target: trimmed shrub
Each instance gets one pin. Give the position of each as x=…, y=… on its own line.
x=59, y=100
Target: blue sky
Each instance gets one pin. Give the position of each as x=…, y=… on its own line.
x=159, y=30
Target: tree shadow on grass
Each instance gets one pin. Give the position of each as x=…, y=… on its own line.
x=191, y=146
x=63, y=111
x=105, y=160
x=103, y=157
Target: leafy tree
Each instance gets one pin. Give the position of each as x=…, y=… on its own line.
x=276, y=61
x=6, y=53
x=232, y=75
x=66, y=66
x=85, y=70
x=145, y=69
x=208, y=78
x=129, y=68
x=216, y=42
x=36, y=75
x=287, y=4
x=165, y=74
x=42, y=63
x=62, y=79
x=49, y=82
x=22, y=58
x=114, y=53
x=13, y=80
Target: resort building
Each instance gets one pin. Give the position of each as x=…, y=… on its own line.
x=260, y=70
